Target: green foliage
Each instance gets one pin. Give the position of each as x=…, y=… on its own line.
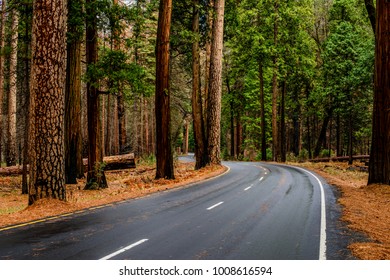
x=98, y=168
x=148, y=160
x=303, y=155
x=76, y=20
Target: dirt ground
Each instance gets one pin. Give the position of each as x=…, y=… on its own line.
x=366, y=209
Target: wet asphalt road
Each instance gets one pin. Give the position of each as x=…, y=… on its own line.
x=255, y=211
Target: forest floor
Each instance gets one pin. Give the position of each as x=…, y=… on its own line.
x=366, y=209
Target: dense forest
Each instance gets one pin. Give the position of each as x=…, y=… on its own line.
x=264, y=80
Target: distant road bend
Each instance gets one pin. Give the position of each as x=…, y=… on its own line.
x=254, y=211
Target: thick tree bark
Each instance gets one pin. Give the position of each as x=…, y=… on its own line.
x=210, y=13
x=73, y=139
x=197, y=104
x=371, y=12
x=2, y=36
x=47, y=102
x=379, y=166
x=164, y=155
x=11, y=120
x=96, y=178
x=215, y=87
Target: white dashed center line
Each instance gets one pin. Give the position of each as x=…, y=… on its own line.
x=124, y=249
x=215, y=205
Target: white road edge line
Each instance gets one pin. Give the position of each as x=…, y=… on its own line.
x=215, y=205
x=124, y=249
x=322, y=253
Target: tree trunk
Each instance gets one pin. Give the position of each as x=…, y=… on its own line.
x=11, y=121
x=26, y=94
x=121, y=123
x=210, y=13
x=116, y=127
x=146, y=129
x=322, y=136
x=275, y=91
x=2, y=36
x=262, y=114
x=232, y=132
x=350, y=140
x=47, y=102
x=120, y=131
x=186, y=136
x=371, y=12
x=96, y=178
x=164, y=154
x=73, y=140
x=296, y=124
x=283, y=125
x=197, y=103
x=232, y=129
x=107, y=143
x=238, y=135
x=215, y=87
x=379, y=166
x=338, y=136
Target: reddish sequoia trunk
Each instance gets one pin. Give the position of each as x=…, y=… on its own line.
x=197, y=106
x=73, y=141
x=215, y=87
x=11, y=120
x=2, y=33
x=47, y=103
x=208, y=58
x=96, y=178
x=164, y=154
x=379, y=167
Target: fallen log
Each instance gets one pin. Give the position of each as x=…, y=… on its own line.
x=343, y=158
x=111, y=163
x=11, y=170
x=116, y=162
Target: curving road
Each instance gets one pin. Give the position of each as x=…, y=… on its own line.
x=254, y=211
